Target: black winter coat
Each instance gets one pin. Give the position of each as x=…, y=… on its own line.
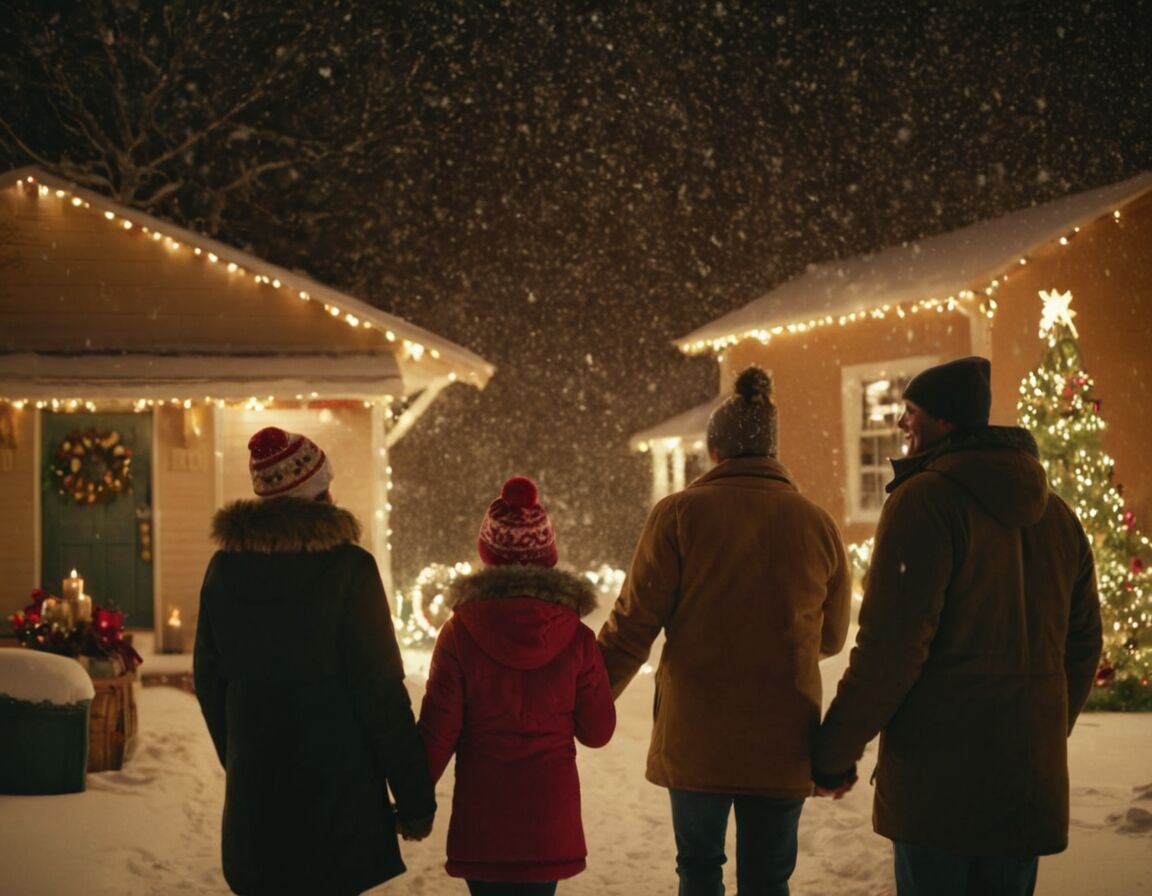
x=300, y=680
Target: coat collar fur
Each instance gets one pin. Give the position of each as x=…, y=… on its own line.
x=283, y=525
x=551, y=585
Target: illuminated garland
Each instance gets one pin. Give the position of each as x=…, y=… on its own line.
x=91, y=466
x=1059, y=406
x=422, y=609
x=965, y=300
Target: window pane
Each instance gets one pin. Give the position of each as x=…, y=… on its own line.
x=881, y=405
x=871, y=490
x=891, y=445
x=880, y=438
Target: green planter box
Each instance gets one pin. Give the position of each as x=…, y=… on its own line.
x=44, y=748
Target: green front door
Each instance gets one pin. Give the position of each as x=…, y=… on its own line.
x=107, y=540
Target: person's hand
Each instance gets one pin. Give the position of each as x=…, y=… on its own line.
x=415, y=830
x=833, y=785
x=837, y=793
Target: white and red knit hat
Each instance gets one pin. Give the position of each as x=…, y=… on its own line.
x=516, y=528
x=287, y=463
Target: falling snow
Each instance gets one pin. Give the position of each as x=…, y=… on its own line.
x=566, y=192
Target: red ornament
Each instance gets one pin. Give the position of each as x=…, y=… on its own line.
x=1129, y=518
x=1105, y=674
x=1137, y=565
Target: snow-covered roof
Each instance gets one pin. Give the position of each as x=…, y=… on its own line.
x=377, y=353
x=948, y=268
x=689, y=426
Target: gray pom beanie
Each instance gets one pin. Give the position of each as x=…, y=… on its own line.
x=745, y=425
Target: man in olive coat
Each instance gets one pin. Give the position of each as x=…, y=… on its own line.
x=299, y=677
x=749, y=582
x=979, y=639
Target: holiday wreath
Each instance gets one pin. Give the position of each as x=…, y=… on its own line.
x=91, y=466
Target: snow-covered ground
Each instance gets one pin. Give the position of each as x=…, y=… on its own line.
x=152, y=829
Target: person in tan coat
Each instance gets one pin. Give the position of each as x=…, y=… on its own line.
x=979, y=639
x=749, y=582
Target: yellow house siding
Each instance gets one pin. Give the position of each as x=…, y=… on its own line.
x=183, y=502
x=807, y=390
x=74, y=263
x=19, y=486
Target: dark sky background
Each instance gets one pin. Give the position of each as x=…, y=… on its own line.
x=564, y=188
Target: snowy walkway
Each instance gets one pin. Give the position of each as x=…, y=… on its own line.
x=152, y=829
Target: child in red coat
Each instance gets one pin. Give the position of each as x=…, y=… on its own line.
x=516, y=679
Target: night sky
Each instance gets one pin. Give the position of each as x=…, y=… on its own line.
x=566, y=187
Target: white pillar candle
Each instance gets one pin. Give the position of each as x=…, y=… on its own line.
x=73, y=587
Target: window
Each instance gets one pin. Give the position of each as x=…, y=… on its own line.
x=871, y=408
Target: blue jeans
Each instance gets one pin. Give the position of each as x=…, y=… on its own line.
x=928, y=871
x=765, y=842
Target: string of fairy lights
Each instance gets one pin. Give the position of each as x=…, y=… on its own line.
x=423, y=607
x=391, y=406
x=982, y=302
x=410, y=348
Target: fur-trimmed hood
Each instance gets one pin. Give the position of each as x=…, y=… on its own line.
x=521, y=616
x=542, y=583
x=283, y=525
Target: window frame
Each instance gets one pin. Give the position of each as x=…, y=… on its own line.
x=852, y=379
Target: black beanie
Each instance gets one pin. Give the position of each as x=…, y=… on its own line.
x=959, y=391
x=744, y=425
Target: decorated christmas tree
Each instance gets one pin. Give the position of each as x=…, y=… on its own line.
x=1058, y=404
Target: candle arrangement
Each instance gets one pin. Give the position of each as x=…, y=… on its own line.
x=74, y=626
x=79, y=604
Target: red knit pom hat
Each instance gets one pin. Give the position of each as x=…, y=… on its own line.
x=516, y=528
x=287, y=463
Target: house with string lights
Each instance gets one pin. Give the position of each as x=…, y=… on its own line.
x=842, y=339
x=136, y=359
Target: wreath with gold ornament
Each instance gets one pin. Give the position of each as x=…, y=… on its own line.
x=92, y=466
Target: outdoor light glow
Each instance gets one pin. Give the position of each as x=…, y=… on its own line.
x=965, y=301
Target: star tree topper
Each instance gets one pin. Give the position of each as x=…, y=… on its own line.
x=1057, y=310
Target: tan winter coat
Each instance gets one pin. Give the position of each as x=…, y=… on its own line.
x=979, y=639
x=749, y=581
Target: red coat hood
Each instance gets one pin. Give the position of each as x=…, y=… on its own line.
x=522, y=616
x=520, y=632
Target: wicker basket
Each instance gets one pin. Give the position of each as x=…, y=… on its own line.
x=112, y=723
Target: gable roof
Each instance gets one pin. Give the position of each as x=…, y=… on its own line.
x=947, y=268
x=690, y=425
x=82, y=308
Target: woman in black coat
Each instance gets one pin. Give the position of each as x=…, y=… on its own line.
x=300, y=680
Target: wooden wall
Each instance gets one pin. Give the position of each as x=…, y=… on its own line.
x=184, y=499
x=807, y=382
x=20, y=520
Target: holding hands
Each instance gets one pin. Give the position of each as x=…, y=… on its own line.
x=833, y=785
x=415, y=830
